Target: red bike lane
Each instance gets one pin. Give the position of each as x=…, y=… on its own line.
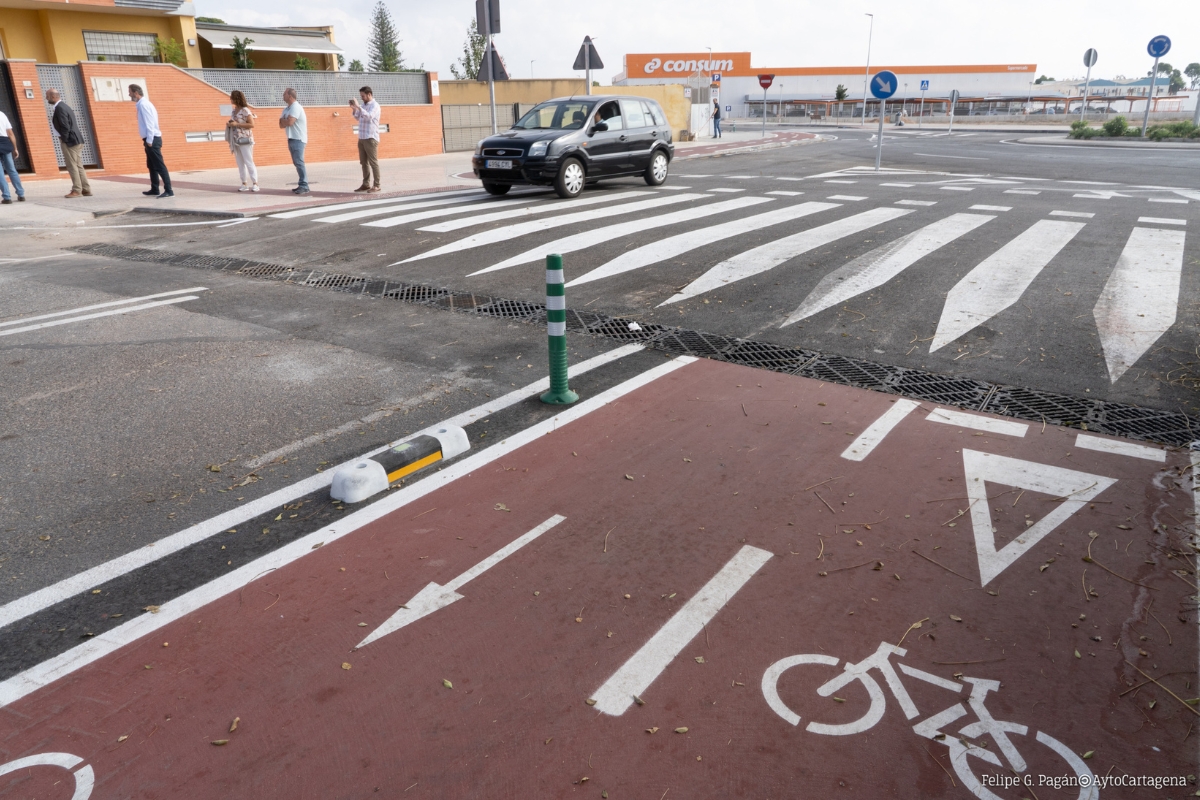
x=656, y=599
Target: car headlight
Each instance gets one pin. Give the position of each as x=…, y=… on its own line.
x=538, y=149
x=479, y=147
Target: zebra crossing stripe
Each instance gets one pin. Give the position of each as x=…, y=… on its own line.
x=476, y=201
x=1000, y=280
x=539, y=225
x=685, y=242
x=879, y=266
x=1138, y=303
x=772, y=254
x=580, y=241
x=541, y=208
x=308, y=212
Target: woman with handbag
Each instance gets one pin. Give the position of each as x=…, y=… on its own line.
x=239, y=132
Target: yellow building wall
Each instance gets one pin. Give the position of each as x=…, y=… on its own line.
x=21, y=34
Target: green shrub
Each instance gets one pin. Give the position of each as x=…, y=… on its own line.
x=1078, y=124
x=1133, y=132
x=1088, y=133
x=1116, y=126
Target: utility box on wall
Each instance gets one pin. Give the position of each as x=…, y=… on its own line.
x=115, y=90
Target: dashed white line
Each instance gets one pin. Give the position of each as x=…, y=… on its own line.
x=1120, y=448
x=726, y=189
x=109, y=304
x=875, y=433
x=899, y=185
x=957, y=188
x=1022, y=191
x=916, y=202
x=948, y=416
x=991, y=208
x=849, y=197
x=1162, y=221
x=1179, y=200
x=98, y=314
x=1079, y=214
x=782, y=193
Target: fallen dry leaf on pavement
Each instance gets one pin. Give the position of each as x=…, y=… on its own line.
x=219, y=742
x=651, y=730
x=233, y=727
x=345, y=665
x=501, y=507
x=681, y=730
x=447, y=684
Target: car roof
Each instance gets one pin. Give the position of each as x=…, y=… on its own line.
x=598, y=98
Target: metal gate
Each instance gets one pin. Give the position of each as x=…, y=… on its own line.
x=69, y=83
x=8, y=105
x=463, y=126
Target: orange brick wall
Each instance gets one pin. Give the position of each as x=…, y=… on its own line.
x=35, y=137
x=186, y=104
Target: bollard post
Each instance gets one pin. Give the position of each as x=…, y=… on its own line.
x=556, y=321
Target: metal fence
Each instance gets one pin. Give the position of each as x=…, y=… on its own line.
x=264, y=87
x=464, y=125
x=68, y=80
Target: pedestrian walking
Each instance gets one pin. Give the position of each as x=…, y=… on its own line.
x=295, y=123
x=8, y=162
x=367, y=115
x=716, y=118
x=239, y=132
x=70, y=139
x=147, y=117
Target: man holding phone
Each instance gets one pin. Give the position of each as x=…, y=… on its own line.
x=367, y=115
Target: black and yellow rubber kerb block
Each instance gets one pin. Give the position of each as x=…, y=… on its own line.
x=356, y=482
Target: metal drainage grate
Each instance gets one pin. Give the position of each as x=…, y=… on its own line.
x=1116, y=419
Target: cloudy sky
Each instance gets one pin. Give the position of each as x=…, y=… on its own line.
x=779, y=33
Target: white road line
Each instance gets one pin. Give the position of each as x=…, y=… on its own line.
x=579, y=241
x=241, y=221
x=308, y=212
x=883, y=263
x=991, y=208
x=789, y=179
x=916, y=202
x=1162, y=221
x=542, y=208
x=740, y=177
x=899, y=185
x=1120, y=448
x=837, y=181
x=1001, y=279
x=80, y=656
x=376, y=211
x=782, y=193
x=875, y=433
x=961, y=419
x=221, y=221
x=1138, y=303
x=538, y=225
x=1098, y=194
x=673, y=246
x=109, y=304
x=1079, y=214
x=850, y=197
x=1167, y=200
x=122, y=565
x=643, y=667
x=772, y=254
x=1022, y=191
x=98, y=314
x=674, y=188
x=6, y=261
x=956, y=188
x=960, y=158
x=725, y=190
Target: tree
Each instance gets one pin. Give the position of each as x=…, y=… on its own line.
x=1193, y=71
x=841, y=92
x=301, y=63
x=170, y=52
x=341, y=61
x=241, y=53
x=211, y=20
x=472, y=58
x=1044, y=79
x=356, y=66
x=383, y=46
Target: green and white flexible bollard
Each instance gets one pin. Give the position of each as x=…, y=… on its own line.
x=556, y=319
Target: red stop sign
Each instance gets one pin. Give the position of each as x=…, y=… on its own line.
x=765, y=81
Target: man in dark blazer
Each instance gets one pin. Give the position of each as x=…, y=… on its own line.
x=70, y=139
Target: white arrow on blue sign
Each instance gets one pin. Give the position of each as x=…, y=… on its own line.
x=884, y=84
x=1159, y=46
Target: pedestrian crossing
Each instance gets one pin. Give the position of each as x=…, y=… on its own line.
x=718, y=240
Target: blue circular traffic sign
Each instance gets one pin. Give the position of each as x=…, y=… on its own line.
x=884, y=84
x=1159, y=46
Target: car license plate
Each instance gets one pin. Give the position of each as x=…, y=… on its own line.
x=494, y=164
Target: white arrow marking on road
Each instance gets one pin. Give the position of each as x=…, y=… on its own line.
x=1138, y=304
x=537, y=226
x=581, y=241
x=884, y=263
x=434, y=597
x=682, y=243
x=541, y=208
x=772, y=254
x=1075, y=488
x=644, y=666
x=1001, y=279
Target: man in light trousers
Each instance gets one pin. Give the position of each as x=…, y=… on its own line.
x=367, y=115
x=65, y=126
x=293, y=121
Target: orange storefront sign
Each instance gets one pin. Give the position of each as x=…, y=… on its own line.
x=667, y=65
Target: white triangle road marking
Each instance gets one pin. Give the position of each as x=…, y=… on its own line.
x=487, y=214
x=1079, y=488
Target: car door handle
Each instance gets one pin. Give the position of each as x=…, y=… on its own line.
x=622, y=137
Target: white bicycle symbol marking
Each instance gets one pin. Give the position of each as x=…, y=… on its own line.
x=931, y=727
x=85, y=778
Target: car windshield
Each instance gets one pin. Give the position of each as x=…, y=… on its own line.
x=564, y=115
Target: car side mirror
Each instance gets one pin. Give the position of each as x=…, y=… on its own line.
x=600, y=127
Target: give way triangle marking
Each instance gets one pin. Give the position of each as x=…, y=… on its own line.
x=1078, y=488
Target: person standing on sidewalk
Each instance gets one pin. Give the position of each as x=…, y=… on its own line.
x=8, y=163
x=367, y=115
x=239, y=132
x=716, y=118
x=147, y=117
x=70, y=139
x=295, y=123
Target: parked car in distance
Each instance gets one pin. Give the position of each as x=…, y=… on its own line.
x=572, y=141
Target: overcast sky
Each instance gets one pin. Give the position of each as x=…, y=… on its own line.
x=779, y=33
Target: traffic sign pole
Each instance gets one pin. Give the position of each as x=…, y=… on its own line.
x=1159, y=46
x=879, y=144
x=1089, y=60
x=953, y=103
x=765, y=82
x=883, y=86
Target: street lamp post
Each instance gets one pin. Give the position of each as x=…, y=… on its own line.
x=867, y=71
x=531, y=68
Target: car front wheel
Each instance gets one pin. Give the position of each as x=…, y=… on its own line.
x=496, y=188
x=656, y=172
x=569, y=182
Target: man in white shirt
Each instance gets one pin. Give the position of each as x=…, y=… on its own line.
x=147, y=117
x=295, y=123
x=367, y=115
